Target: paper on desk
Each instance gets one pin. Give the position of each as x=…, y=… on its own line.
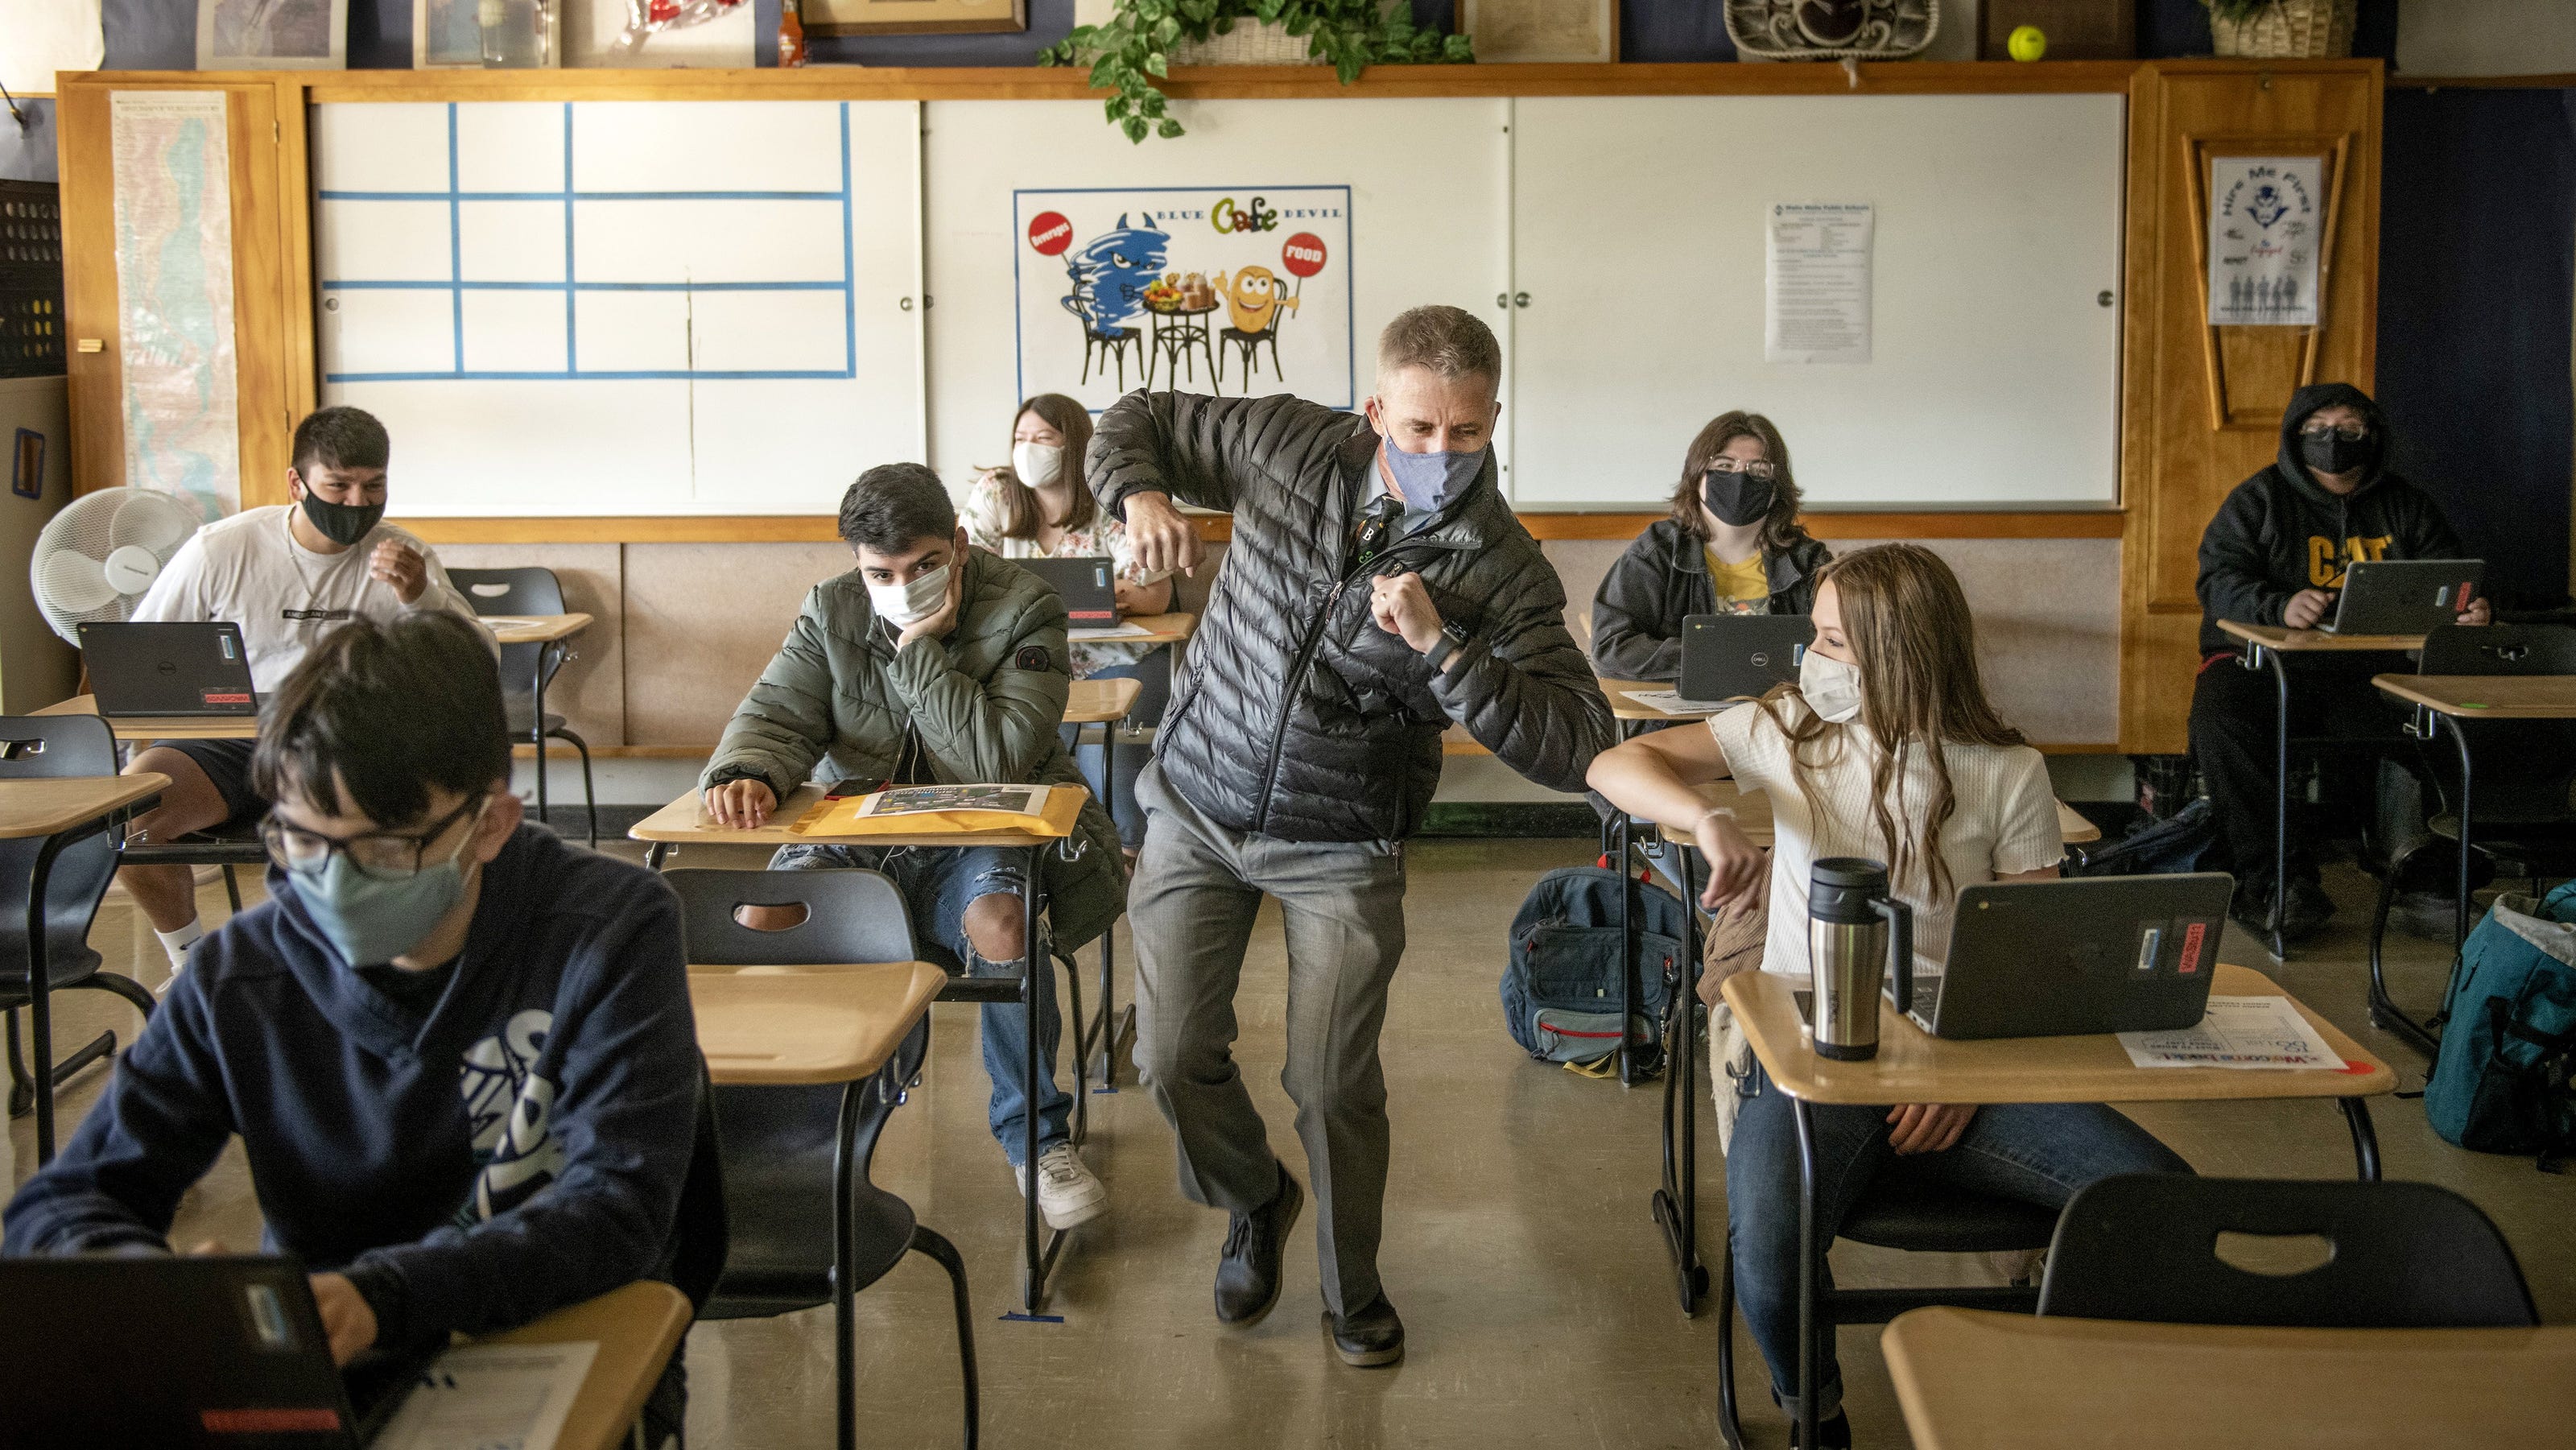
x=2237, y=1032
x=1123, y=629
x=1671, y=702
x=492, y=1397
x=511, y=621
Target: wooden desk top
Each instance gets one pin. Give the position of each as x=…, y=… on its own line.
x=677, y=824
x=1159, y=629
x=1972, y=1379
x=2316, y=641
x=30, y=808
x=1623, y=708
x=1913, y=1066
x=636, y=1327
x=130, y=728
x=535, y=628
x=793, y=1026
x=2487, y=697
x=1097, y=702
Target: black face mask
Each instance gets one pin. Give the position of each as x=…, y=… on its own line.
x=342, y=523
x=2331, y=452
x=1737, y=498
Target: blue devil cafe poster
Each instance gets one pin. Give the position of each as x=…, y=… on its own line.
x=2266, y=219
x=1240, y=290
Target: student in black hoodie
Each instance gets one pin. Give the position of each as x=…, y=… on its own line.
x=2275, y=554
x=458, y=1052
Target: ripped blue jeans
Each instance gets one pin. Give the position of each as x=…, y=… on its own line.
x=938, y=884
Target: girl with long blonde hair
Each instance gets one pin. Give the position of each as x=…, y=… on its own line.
x=1888, y=748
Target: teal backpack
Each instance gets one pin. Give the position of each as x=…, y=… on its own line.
x=2502, y=1082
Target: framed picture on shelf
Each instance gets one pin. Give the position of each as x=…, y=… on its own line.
x=1541, y=30
x=272, y=34
x=911, y=17
x=485, y=34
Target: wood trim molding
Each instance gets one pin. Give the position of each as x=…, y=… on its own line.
x=2564, y=80
x=1218, y=528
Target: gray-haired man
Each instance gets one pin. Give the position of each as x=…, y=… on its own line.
x=1377, y=588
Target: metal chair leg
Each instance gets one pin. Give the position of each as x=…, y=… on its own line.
x=232, y=889
x=1729, y=1422
x=22, y=1083
x=589, y=792
x=939, y=1250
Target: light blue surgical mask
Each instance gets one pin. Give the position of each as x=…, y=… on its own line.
x=1430, y=481
x=372, y=920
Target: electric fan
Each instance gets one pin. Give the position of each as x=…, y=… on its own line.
x=94, y=562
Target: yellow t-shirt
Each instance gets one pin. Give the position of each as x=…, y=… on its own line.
x=1741, y=588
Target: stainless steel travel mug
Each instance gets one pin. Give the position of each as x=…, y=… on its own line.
x=1856, y=935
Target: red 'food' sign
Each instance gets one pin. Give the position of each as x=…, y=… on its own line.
x=1303, y=254
x=1050, y=233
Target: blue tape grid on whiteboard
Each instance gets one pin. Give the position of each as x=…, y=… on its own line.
x=456, y=285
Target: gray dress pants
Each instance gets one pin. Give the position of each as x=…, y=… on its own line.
x=1190, y=910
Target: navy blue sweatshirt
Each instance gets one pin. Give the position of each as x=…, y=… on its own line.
x=2281, y=531
x=471, y=1160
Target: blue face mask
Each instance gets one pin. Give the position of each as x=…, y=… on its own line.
x=1430, y=481
x=372, y=921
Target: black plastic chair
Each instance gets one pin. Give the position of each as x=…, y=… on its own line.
x=806, y=1225
x=2523, y=810
x=1916, y=1217
x=524, y=592
x=2145, y=1246
x=73, y=871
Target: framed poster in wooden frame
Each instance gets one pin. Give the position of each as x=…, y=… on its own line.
x=911, y=17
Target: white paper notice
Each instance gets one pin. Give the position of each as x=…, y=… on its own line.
x=174, y=287
x=1671, y=702
x=2238, y=1032
x=2266, y=216
x=1816, y=305
x=492, y=1397
x=1123, y=629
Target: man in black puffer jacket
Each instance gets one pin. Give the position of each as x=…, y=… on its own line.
x=1377, y=588
x=2274, y=554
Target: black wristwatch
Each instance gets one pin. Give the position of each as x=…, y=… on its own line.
x=1453, y=638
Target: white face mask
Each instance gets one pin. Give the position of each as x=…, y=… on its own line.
x=1832, y=688
x=901, y=604
x=1039, y=465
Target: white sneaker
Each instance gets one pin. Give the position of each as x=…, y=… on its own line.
x=1068, y=1192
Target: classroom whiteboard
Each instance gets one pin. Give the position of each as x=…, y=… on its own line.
x=622, y=307
x=1993, y=380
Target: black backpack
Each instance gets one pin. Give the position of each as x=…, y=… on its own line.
x=2180, y=843
x=1561, y=983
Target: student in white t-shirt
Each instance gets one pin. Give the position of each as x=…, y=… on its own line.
x=287, y=574
x=1886, y=748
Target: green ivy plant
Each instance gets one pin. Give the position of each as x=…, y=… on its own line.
x=1133, y=49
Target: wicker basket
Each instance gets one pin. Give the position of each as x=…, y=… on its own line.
x=1250, y=42
x=2287, y=30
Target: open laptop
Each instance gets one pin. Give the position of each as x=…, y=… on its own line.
x=238, y=1359
x=1089, y=588
x=168, y=669
x=2095, y=954
x=2404, y=596
x=1740, y=656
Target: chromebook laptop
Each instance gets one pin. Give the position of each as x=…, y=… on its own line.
x=2404, y=596
x=2097, y=954
x=1740, y=656
x=238, y=1357
x=1089, y=588
x=168, y=669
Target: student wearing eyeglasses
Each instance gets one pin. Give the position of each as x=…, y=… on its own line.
x=1733, y=545
x=458, y=1052
x=2275, y=554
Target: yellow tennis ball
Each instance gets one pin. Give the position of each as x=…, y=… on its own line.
x=2028, y=42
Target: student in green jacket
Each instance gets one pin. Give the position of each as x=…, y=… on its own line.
x=936, y=663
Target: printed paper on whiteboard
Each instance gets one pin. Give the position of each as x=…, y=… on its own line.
x=2266, y=216
x=1816, y=286
x=492, y=1397
x=2250, y=1032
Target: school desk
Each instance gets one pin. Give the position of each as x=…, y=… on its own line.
x=1104, y=703
x=2267, y=646
x=1169, y=628
x=135, y=729
x=1617, y=692
x=2454, y=700
x=552, y=633
x=61, y=811
x=1973, y=1379
x=636, y=1328
x=677, y=824
x=1913, y=1066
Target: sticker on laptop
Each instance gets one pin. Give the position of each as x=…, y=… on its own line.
x=224, y=697
x=2192, y=937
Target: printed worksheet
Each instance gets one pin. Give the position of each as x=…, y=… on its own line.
x=2250, y=1032
x=492, y=1397
x=915, y=800
x=1123, y=629
x=1672, y=703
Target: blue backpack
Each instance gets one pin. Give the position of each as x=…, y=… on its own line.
x=2501, y=1083
x=1561, y=983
